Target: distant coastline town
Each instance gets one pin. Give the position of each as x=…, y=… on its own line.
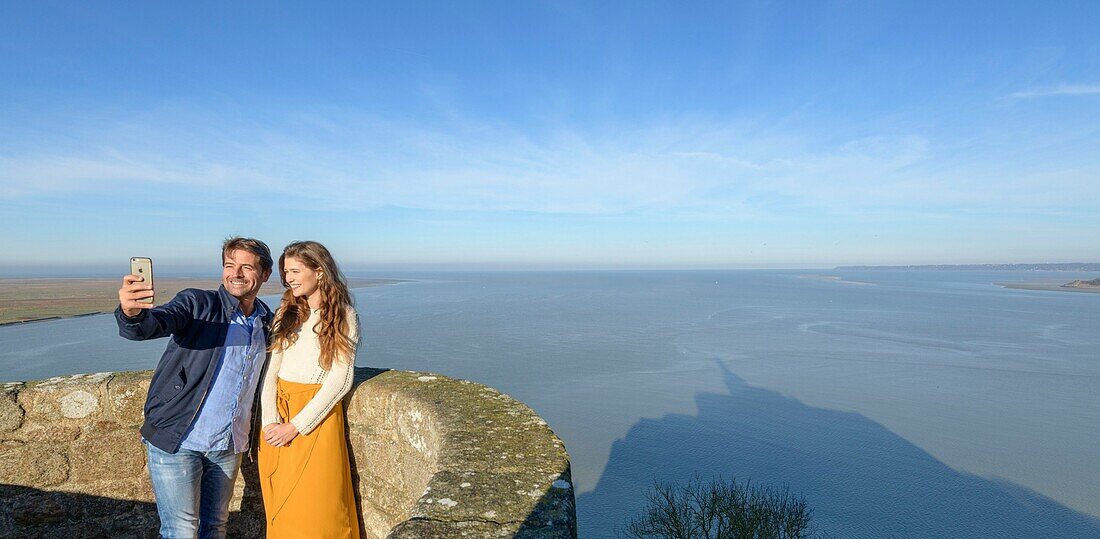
x=1071, y=266
x=1076, y=285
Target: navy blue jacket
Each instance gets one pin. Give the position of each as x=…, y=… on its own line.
x=197, y=321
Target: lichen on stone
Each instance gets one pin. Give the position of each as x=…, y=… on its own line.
x=78, y=404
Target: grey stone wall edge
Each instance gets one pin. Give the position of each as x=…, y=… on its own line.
x=433, y=457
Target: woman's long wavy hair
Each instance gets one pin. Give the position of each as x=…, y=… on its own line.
x=333, y=329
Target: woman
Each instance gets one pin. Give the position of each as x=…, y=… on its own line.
x=305, y=477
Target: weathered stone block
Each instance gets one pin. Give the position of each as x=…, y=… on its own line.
x=37, y=508
x=39, y=513
x=11, y=414
x=126, y=394
x=386, y=497
x=66, y=399
x=418, y=529
x=124, y=491
x=105, y=447
x=49, y=432
x=497, y=497
x=376, y=522
x=33, y=464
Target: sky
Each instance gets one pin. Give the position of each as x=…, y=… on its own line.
x=551, y=134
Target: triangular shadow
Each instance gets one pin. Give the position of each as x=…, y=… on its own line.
x=861, y=479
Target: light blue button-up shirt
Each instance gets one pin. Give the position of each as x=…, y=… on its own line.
x=226, y=415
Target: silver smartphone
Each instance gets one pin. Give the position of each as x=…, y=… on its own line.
x=143, y=267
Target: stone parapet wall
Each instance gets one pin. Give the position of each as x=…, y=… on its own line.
x=432, y=457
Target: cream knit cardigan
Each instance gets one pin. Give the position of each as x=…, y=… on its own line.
x=299, y=363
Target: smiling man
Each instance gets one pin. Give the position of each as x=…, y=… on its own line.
x=198, y=412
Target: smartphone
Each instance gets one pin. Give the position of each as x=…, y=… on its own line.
x=143, y=267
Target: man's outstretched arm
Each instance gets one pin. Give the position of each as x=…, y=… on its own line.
x=139, y=321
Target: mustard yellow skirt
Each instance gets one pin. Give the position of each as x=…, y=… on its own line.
x=306, y=484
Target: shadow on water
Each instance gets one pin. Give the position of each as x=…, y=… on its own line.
x=861, y=479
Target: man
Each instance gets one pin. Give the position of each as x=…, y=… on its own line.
x=198, y=413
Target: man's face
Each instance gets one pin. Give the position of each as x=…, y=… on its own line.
x=242, y=274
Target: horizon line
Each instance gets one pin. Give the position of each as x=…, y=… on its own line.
x=101, y=271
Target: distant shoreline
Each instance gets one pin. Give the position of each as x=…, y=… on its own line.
x=55, y=317
x=1049, y=287
x=1070, y=266
x=41, y=299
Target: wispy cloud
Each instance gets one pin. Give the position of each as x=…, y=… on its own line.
x=1057, y=90
x=344, y=161
x=97, y=170
x=364, y=163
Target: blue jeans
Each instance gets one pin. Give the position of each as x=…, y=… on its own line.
x=193, y=489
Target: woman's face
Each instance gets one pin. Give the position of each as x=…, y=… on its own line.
x=301, y=278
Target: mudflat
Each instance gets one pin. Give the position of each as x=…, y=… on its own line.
x=30, y=299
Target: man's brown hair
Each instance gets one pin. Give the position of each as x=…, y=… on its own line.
x=251, y=245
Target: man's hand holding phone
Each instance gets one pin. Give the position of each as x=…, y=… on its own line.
x=134, y=290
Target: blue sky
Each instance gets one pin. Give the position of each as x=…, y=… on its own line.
x=484, y=134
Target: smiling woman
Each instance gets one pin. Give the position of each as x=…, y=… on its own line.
x=305, y=471
x=302, y=281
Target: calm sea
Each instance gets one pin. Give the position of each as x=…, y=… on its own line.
x=900, y=404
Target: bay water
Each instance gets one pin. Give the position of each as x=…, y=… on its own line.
x=899, y=403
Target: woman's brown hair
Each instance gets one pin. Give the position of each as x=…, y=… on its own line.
x=333, y=329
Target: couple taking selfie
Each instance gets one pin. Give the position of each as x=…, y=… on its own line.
x=226, y=348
